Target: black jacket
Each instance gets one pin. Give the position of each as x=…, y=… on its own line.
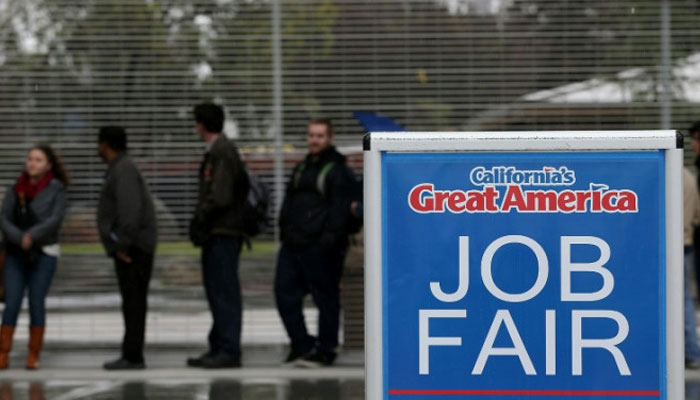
x=697, y=164
x=309, y=216
x=126, y=216
x=223, y=187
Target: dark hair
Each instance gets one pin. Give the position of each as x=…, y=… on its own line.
x=694, y=128
x=57, y=167
x=211, y=116
x=325, y=122
x=114, y=137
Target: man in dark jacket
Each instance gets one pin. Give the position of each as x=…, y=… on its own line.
x=126, y=221
x=694, y=133
x=217, y=227
x=314, y=229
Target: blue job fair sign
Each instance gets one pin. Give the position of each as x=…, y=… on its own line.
x=523, y=274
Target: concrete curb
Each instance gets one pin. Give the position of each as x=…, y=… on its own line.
x=180, y=374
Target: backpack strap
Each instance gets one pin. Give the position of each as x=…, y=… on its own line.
x=322, y=175
x=297, y=174
x=320, y=179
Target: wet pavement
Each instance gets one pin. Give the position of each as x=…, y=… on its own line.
x=262, y=388
x=79, y=376
x=76, y=373
x=219, y=389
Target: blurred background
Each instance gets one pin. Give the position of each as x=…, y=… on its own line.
x=68, y=67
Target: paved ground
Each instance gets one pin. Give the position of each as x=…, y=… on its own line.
x=70, y=374
x=260, y=326
x=69, y=360
x=266, y=388
x=75, y=373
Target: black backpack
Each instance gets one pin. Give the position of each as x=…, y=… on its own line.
x=256, y=210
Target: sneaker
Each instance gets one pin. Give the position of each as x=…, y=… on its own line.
x=197, y=362
x=221, y=360
x=294, y=356
x=317, y=359
x=123, y=364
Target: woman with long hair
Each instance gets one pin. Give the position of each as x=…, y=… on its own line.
x=31, y=217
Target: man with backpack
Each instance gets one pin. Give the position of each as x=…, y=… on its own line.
x=218, y=227
x=314, y=231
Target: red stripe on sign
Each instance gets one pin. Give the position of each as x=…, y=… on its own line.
x=572, y=393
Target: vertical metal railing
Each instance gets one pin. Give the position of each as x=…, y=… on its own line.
x=665, y=71
x=278, y=106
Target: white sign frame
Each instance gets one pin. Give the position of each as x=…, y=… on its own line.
x=376, y=143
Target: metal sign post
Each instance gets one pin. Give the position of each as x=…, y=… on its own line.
x=524, y=265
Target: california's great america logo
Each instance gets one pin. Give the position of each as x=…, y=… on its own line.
x=503, y=189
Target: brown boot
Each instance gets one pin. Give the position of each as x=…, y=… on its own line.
x=6, y=333
x=36, y=340
x=6, y=391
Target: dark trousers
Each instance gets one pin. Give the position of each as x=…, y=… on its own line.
x=134, y=279
x=223, y=289
x=311, y=270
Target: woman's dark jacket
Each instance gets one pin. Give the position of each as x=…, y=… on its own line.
x=48, y=209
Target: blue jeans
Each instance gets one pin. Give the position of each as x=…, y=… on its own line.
x=220, y=276
x=36, y=278
x=692, y=350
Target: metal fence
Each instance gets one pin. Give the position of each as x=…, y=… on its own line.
x=68, y=67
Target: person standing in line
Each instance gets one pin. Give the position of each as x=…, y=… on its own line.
x=694, y=133
x=31, y=217
x=314, y=232
x=217, y=226
x=691, y=219
x=126, y=221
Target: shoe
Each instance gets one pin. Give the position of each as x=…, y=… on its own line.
x=36, y=341
x=692, y=364
x=294, y=356
x=221, y=360
x=198, y=362
x=317, y=359
x=6, y=333
x=123, y=364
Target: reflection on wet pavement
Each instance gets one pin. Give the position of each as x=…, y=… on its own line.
x=692, y=390
x=253, y=389
x=258, y=389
